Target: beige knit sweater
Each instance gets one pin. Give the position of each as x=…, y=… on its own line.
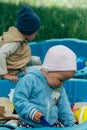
x=15, y=61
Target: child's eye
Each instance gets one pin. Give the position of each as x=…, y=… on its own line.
x=60, y=80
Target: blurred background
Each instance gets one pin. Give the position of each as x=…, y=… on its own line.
x=59, y=18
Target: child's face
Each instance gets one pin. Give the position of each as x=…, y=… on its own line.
x=30, y=37
x=55, y=79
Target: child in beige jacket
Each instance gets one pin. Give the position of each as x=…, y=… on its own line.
x=15, y=52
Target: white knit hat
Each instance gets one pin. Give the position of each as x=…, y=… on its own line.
x=59, y=58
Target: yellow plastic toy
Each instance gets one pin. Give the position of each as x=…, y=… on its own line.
x=81, y=114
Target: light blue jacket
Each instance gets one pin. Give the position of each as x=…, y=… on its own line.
x=33, y=93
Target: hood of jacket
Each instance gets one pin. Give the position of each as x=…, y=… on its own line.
x=35, y=71
x=12, y=35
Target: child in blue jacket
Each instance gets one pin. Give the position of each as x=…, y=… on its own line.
x=41, y=93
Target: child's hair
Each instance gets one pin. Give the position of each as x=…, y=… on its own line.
x=59, y=58
x=28, y=22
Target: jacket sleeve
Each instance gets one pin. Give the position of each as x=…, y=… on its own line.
x=5, y=51
x=66, y=115
x=21, y=98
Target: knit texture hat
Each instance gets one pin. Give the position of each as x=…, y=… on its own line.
x=59, y=58
x=28, y=22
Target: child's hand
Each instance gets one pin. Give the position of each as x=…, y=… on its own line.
x=37, y=116
x=10, y=77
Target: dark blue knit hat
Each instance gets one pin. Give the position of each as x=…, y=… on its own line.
x=28, y=21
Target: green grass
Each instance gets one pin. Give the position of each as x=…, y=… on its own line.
x=57, y=21
x=60, y=3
